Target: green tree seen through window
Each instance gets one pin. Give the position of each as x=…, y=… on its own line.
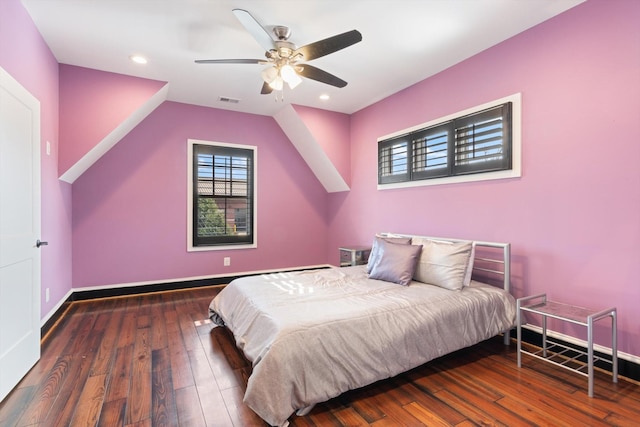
x=211, y=220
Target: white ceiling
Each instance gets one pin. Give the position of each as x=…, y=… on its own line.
x=404, y=42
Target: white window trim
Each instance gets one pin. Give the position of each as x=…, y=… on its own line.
x=190, y=247
x=516, y=147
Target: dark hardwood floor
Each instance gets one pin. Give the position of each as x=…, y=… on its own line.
x=150, y=360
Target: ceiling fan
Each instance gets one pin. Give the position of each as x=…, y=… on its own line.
x=285, y=60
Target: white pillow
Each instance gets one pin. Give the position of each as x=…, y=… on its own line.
x=469, y=272
x=443, y=263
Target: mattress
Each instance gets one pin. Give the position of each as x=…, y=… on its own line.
x=313, y=335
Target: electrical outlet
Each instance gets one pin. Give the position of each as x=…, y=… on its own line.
x=48, y=148
x=227, y=261
x=46, y=295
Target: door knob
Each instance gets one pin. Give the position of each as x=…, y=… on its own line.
x=39, y=243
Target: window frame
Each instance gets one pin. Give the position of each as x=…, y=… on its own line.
x=191, y=247
x=439, y=177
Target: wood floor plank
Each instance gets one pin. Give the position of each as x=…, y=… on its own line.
x=181, y=374
x=224, y=361
x=127, y=334
x=113, y=413
x=78, y=339
x=159, y=337
x=189, y=333
x=492, y=409
x=61, y=412
x=16, y=404
x=90, y=402
x=139, y=397
x=395, y=412
x=211, y=401
x=107, y=348
x=425, y=416
x=239, y=413
x=189, y=407
x=365, y=405
x=468, y=379
x=531, y=413
x=163, y=411
x=427, y=400
x=322, y=416
x=474, y=407
x=120, y=375
x=350, y=417
x=47, y=393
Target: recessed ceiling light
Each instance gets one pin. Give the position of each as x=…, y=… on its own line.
x=324, y=97
x=138, y=59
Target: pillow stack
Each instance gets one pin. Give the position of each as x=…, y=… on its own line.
x=442, y=263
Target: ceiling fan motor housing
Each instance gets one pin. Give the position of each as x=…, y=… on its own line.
x=282, y=32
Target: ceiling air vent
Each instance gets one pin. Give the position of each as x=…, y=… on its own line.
x=229, y=100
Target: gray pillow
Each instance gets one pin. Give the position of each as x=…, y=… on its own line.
x=374, y=254
x=443, y=263
x=396, y=263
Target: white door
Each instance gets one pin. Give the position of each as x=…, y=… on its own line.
x=19, y=231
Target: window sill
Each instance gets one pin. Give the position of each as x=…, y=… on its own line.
x=486, y=176
x=220, y=248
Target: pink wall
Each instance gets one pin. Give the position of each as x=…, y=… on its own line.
x=573, y=218
x=24, y=54
x=111, y=98
x=130, y=208
x=332, y=132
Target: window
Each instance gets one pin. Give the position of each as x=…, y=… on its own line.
x=477, y=141
x=222, y=195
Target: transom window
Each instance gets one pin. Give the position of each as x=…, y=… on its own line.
x=222, y=194
x=472, y=143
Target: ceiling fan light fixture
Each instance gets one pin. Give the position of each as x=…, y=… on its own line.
x=288, y=73
x=277, y=83
x=294, y=81
x=269, y=74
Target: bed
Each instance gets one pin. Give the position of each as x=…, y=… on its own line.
x=312, y=335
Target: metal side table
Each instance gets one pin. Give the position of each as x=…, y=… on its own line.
x=560, y=354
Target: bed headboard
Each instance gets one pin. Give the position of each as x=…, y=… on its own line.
x=492, y=260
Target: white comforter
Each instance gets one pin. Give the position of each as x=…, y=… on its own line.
x=313, y=335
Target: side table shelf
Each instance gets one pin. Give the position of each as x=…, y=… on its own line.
x=560, y=354
x=354, y=255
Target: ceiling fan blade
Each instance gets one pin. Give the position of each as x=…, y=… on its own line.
x=329, y=45
x=266, y=89
x=230, y=61
x=262, y=36
x=314, y=73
